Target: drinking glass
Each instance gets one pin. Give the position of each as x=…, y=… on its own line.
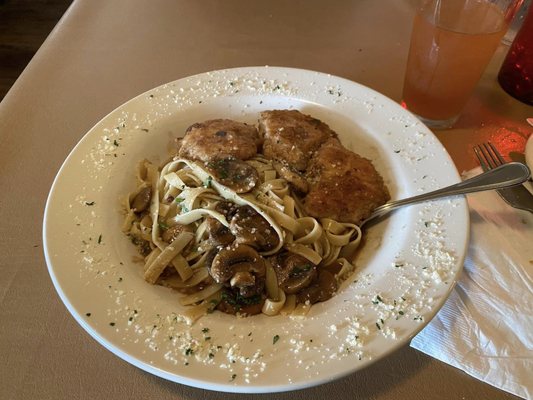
x=516, y=73
x=451, y=44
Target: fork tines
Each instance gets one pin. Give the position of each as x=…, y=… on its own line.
x=517, y=196
x=488, y=156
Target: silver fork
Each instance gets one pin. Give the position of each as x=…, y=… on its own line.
x=506, y=175
x=517, y=196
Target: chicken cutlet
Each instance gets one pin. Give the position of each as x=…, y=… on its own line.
x=343, y=185
x=292, y=137
x=220, y=139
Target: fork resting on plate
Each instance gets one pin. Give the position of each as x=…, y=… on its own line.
x=502, y=176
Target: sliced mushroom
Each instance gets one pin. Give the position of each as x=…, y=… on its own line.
x=240, y=266
x=235, y=258
x=321, y=290
x=226, y=208
x=142, y=200
x=257, y=289
x=295, y=178
x=211, y=256
x=250, y=228
x=233, y=173
x=242, y=279
x=293, y=271
x=218, y=233
x=170, y=234
x=327, y=284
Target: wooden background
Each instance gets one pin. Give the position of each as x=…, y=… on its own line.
x=24, y=25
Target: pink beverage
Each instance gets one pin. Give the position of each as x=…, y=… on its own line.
x=451, y=44
x=516, y=74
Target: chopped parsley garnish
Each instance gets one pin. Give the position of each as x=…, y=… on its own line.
x=179, y=200
x=238, y=301
x=233, y=377
x=88, y=314
x=115, y=142
x=205, y=330
x=112, y=323
x=144, y=245
x=338, y=92
x=214, y=304
x=207, y=183
x=89, y=203
x=162, y=225
x=99, y=239
x=189, y=351
x=275, y=339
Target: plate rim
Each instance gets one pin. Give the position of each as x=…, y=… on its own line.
x=243, y=388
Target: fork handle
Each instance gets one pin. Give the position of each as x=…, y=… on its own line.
x=510, y=174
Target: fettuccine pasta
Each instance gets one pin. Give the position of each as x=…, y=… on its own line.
x=179, y=215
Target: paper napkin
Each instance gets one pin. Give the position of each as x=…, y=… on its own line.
x=486, y=326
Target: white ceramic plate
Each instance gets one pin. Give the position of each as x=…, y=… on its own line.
x=404, y=273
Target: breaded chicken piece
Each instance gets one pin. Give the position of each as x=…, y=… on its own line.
x=220, y=138
x=291, y=137
x=343, y=185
